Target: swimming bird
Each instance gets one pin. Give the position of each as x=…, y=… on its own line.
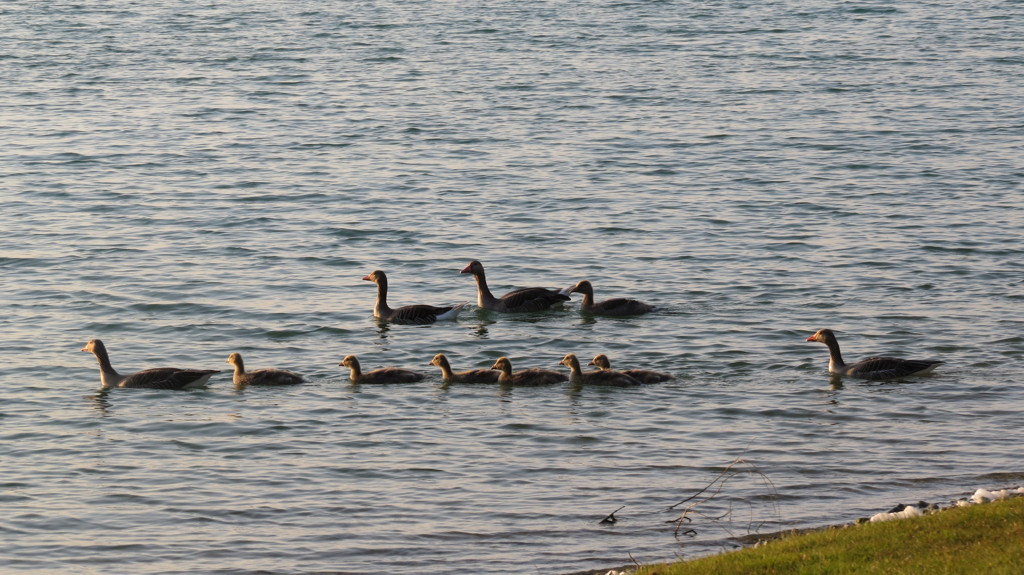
x=600, y=361
x=382, y=375
x=156, y=378
x=471, y=376
x=418, y=314
x=874, y=368
x=520, y=300
x=531, y=376
x=267, y=376
x=600, y=377
x=613, y=307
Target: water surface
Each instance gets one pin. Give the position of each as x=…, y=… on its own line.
x=184, y=180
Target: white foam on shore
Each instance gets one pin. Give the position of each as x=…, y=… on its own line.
x=980, y=496
x=984, y=495
x=907, y=512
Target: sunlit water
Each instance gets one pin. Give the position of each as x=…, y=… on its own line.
x=189, y=179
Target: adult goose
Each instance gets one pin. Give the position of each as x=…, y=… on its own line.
x=520, y=300
x=268, y=376
x=875, y=368
x=600, y=377
x=418, y=314
x=382, y=375
x=532, y=376
x=600, y=361
x=471, y=376
x=156, y=378
x=613, y=307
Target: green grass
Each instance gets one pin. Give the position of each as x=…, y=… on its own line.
x=987, y=538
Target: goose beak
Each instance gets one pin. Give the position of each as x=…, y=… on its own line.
x=466, y=270
x=368, y=278
x=812, y=338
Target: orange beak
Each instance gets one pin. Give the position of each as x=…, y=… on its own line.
x=466, y=270
x=368, y=278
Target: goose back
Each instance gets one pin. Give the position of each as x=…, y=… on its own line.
x=527, y=377
x=415, y=314
x=469, y=376
x=267, y=376
x=602, y=362
x=872, y=368
x=516, y=301
x=382, y=375
x=154, y=378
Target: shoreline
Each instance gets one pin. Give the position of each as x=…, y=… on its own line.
x=898, y=512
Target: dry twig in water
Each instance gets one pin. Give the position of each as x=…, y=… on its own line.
x=717, y=485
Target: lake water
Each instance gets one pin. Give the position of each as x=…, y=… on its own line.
x=189, y=179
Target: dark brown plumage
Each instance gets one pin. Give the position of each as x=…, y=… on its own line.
x=269, y=376
x=642, y=375
x=382, y=375
x=600, y=377
x=470, y=376
x=532, y=376
x=613, y=307
x=417, y=314
x=156, y=378
x=520, y=300
x=873, y=368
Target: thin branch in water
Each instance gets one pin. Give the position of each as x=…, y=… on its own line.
x=710, y=485
x=715, y=488
x=610, y=518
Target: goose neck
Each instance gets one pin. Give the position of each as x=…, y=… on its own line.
x=104, y=361
x=446, y=369
x=382, y=296
x=484, y=297
x=835, y=356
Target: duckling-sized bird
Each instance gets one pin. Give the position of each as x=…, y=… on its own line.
x=269, y=376
x=874, y=368
x=600, y=361
x=600, y=377
x=520, y=300
x=532, y=376
x=611, y=307
x=417, y=314
x=156, y=378
x=471, y=376
x=382, y=375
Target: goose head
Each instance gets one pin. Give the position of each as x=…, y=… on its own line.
x=601, y=361
x=503, y=364
x=571, y=361
x=583, y=287
x=95, y=346
x=376, y=276
x=822, y=336
x=475, y=267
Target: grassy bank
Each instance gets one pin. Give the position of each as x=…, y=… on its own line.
x=987, y=538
